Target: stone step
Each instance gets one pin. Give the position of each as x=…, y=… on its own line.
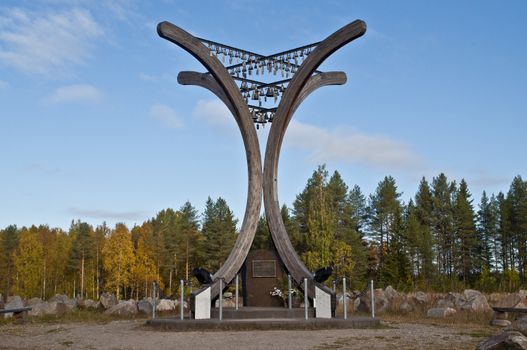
x=262, y=313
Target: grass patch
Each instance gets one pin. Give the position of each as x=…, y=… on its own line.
x=76, y=316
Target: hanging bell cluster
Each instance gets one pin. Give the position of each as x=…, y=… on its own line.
x=249, y=70
x=262, y=116
x=253, y=92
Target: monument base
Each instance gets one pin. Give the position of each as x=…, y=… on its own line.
x=177, y=325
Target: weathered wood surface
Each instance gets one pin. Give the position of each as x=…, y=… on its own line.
x=240, y=111
x=510, y=309
x=288, y=104
x=223, y=86
x=15, y=311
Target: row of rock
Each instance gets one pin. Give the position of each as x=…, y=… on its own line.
x=436, y=304
x=514, y=337
x=62, y=304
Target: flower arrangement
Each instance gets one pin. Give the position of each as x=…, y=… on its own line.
x=278, y=293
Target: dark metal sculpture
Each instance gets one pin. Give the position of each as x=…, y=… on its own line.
x=249, y=101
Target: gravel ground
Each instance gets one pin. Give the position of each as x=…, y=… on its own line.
x=132, y=334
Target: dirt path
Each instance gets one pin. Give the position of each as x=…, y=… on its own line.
x=133, y=335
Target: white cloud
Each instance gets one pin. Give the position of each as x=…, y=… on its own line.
x=46, y=42
x=324, y=145
x=166, y=115
x=156, y=78
x=485, y=180
x=76, y=93
x=108, y=214
x=350, y=146
x=39, y=168
x=215, y=113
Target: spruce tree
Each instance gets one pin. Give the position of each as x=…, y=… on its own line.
x=219, y=231
x=384, y=213
x=442, y=222
x=506, y=238
x=262, y=237
x=517, y=196
x=466, y=248
x=487, y=228
x=425, y=242
x=8, y=242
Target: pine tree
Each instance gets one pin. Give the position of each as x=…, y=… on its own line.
x=359, y=218
x=81, y=251
x=291, y=228
x=413, y=237
x=188, y=225
x=320, y=231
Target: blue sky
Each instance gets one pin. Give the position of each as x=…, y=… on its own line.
x=94, y=126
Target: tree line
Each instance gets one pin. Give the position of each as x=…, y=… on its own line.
x=439, y=240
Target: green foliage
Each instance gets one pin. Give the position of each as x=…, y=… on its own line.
x=8, y=244
x=219, y=231
x=262, y=237
x=119, y=259
x=465, y=258
x=486, y=281
x=28, y=261
x=434, y=242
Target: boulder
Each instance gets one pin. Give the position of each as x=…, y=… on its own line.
x=227, y=295
x=145, y=306
x=88, y=303
x=509, y=300
x=456, y=298
x=442, y=303
x=498, y=322
x=406, y=307
x=391, y=293
x=32, y=302
x=107, y=300
x=474, y=301
x=165, y=305
x=508, y=340
x=69, y=304
x=440, y=312
x=49, y=308
x=13, y=302
x=124, y=308
x=421, y=298
x=364, y=302
x=520, y=325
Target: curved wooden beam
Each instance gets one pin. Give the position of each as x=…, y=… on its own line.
x=291, y=99
x=226, y=86
x=205, y=81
